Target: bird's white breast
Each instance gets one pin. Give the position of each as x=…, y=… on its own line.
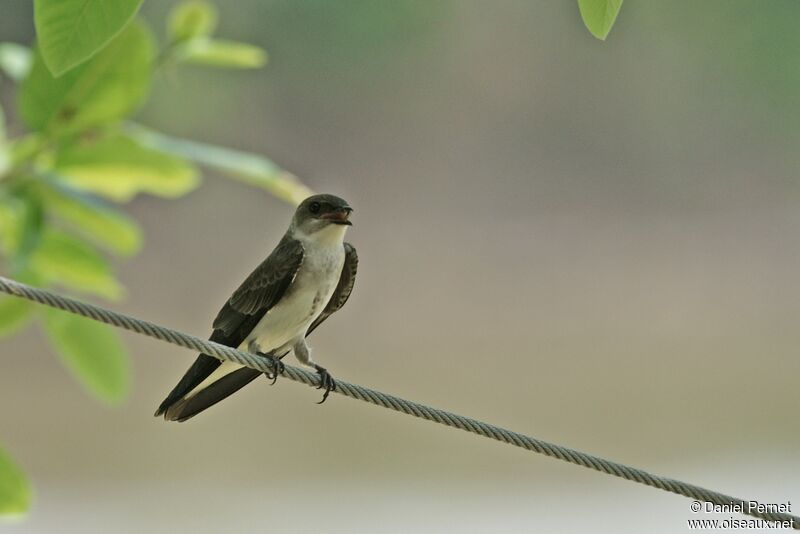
x=307, y=296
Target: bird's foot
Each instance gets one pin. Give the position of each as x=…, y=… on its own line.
x=326, y=382
x=277, y=366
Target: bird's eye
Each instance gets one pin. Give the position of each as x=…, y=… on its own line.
x=314, y=207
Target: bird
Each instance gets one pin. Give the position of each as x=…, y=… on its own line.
x=307, y=278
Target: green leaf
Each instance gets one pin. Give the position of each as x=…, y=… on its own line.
x=92, y=352
x=25, y=148
x=219, y=53
x=190, y=19
x=15, y=492
x=61, y=258
x=15, y=60
x=95, y=220
x=14, y=314
x=103, y=90
x=599, y=15
x=9, y=219
x=71, y=31
x=32, y=226
x=21, y=224
x=118, y=168
x=249, y=168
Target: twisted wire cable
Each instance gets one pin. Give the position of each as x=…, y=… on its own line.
x=391, y=402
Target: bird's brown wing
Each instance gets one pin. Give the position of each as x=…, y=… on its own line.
x=261, y=290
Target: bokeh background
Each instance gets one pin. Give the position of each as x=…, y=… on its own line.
x=593, y=243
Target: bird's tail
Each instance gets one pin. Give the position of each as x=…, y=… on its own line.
x=182, y=405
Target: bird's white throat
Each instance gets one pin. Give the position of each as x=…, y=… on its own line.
x=330, y=236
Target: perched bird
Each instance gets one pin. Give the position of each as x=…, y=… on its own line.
x=306, y=279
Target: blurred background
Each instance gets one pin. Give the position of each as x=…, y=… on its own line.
x=594, y=243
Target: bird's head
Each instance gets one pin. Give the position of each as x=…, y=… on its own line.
x=318, y=212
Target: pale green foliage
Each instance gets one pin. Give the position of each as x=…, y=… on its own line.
x=67, y=260
x=94, y=220
x=92, y=352
x=118, y=168
x=22, y=220
x=15, y=492
x=249, y=168
x=220, y=53
x=599, y=15
x=191, y=29
x=195, y=18
x=107, y=88
x=72, y=31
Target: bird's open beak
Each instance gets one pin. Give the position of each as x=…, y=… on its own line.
x=340, y=216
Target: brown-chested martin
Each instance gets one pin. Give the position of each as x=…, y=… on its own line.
x=308, y=277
